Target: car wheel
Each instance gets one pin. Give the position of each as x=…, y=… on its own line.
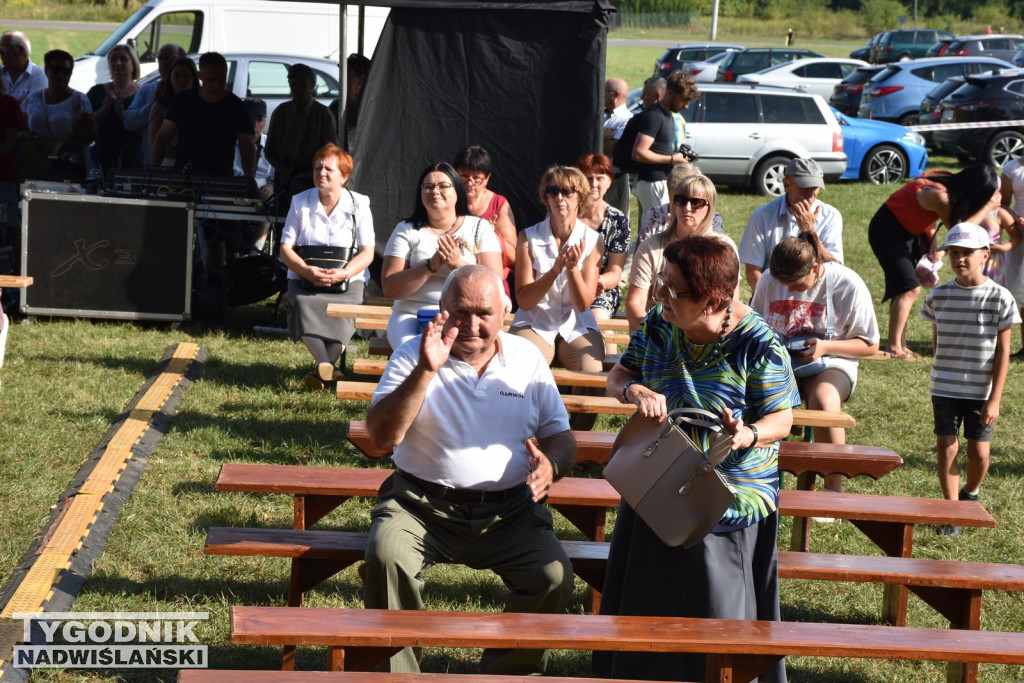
x=768, y=176
x=910, y=119
x=1004, y=146
x=884, y=165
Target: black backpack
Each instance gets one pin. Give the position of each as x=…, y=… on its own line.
x=622, y=152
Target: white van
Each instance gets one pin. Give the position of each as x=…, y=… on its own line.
x=304, y=29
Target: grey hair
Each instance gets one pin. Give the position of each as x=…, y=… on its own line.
x=475, y=271
x=19, y=39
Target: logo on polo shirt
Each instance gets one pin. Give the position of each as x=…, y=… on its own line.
x=511, y=394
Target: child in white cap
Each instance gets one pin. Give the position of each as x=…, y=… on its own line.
x=971, y=319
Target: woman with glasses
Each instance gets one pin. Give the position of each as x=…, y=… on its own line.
x=693, y=211
x=57, y=112
x=474, y=167
x=612, y=227
x=437, y=238
x=823, y=312
x=116, y=146
x=703, y=348
x=557, y=264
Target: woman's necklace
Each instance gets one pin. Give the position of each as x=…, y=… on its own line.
x=443, y=231
x=707, y=354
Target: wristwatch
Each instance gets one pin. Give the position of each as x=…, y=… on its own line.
x=753, y=430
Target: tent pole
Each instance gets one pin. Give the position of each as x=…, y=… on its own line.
x=343, y=74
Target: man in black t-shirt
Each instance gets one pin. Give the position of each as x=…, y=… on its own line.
x=654, y=149
x=208, y=122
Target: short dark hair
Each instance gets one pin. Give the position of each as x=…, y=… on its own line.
x=709, y=265
x=358, y=65
x=419, y=211
x=475, y=158
x=54, y=56
x=214, y=59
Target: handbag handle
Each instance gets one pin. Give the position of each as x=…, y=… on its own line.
x=698, y=417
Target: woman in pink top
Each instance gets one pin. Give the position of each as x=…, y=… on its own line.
x=473, y=165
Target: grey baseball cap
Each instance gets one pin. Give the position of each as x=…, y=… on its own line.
x=806, y=173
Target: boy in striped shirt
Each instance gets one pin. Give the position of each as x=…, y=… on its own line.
x=971, y=319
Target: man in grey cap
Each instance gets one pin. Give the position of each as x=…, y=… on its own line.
x=298, y=128
x=797, y=210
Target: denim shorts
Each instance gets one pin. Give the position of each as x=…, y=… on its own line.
x=951, y=412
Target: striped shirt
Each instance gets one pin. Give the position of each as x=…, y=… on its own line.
x=967, y=321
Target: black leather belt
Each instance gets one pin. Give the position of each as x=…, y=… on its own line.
x=462, y=496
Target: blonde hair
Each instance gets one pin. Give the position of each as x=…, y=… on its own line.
x=706, y=188
x=132, y=56
x=567, y=176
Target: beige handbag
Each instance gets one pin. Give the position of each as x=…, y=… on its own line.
x=667, y=479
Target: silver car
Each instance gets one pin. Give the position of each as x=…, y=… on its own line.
x=746, y=135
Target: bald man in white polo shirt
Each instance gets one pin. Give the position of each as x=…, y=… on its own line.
x=459, y=405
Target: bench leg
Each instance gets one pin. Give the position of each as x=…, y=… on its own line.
x=962, y=606
x=736, y=668
x=358, y=658
x=311, y=509
x=288, y=658
x=896, y=540
x=591, y=521
x=801, y=541
x=307, y=573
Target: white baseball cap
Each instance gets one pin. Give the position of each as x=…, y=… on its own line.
x=968, y=236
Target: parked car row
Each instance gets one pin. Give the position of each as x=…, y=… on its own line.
x=745, y=135
x=722, y=61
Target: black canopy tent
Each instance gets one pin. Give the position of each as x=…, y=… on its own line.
x=522, y=79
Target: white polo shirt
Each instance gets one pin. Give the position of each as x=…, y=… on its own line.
x=471, y=430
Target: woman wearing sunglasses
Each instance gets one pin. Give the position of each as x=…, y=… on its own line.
x=57, y=112
x=557, y=264
x=437, y=238
x=692, y=213
x=703, y=348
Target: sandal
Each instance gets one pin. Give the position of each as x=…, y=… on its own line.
x=313, y=382
x=325, y=372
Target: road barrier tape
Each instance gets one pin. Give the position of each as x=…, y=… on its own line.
x=1016, y=123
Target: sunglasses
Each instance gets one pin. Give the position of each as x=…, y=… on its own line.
x=696, y=203
x=552, y=191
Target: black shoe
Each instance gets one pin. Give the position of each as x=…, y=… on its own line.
x=973, y=497
x=1019, y=355
x=951, y=531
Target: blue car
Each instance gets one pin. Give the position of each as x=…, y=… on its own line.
x=880, y=152
x=895, y=93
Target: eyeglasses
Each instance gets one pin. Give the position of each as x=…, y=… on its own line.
x=468, y=179
x=696, y=203
x=660, y=283
x=442, y=187
x=552, y=191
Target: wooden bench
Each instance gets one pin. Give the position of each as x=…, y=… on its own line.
x=263, y=676
x=954, y=589
x=888, y=521
x=361, y=639
x=606, y=405
x=371, y=312
x=806, y=459
x=15, y=281
x=379, y=346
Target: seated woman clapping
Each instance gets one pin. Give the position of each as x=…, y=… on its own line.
x=437, y=238
x=557, y=264
x=823, y=311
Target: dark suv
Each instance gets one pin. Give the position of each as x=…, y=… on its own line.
x=756, y=58
x=680, y=55
x=903, y=44
x=996, y=96
x=931, y=111
x=846, y=93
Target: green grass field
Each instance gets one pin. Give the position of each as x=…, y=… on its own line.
x=65, y=381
